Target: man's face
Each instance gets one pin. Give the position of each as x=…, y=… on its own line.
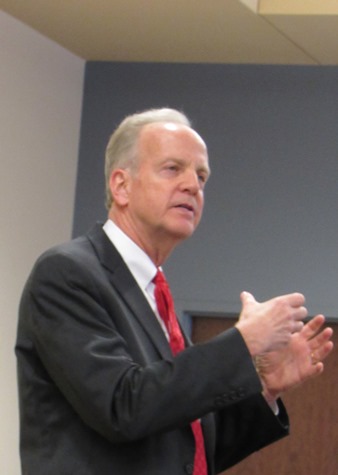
x=167, y=190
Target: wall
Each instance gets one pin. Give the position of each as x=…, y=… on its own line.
x=271, y=220
x=41, y=96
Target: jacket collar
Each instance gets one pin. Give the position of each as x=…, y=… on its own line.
x=122, y=280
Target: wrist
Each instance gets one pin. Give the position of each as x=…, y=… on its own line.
x=251, y=342
x=270, y=396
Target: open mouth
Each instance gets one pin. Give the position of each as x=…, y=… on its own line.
x=185, y=206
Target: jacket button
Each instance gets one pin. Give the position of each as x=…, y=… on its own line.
x=241, y=393
x=219, y=401
x=233, y=395
x=189, y=468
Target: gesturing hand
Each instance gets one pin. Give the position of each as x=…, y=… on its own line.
x=300, y=360
x=268, y=326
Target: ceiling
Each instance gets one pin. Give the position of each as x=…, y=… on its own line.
x=301, y=32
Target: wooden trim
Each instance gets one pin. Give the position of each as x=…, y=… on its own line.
x=312, y=447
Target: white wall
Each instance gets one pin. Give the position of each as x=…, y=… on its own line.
x=41, y=88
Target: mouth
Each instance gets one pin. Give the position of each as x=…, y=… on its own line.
x=185, y=206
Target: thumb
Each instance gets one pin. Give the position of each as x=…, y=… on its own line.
x=247, y=298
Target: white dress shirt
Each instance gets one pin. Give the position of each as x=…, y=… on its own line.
x=138, y=262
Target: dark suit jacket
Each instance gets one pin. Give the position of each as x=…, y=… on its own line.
x=99, y=390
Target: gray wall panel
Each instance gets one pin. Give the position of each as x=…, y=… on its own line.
x=271, y=223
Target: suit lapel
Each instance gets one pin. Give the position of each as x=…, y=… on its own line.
x=123, y=281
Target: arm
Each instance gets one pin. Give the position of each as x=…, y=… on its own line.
x=74, y=318
x=246, y=428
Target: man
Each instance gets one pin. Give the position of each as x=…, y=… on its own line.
x=103, y=388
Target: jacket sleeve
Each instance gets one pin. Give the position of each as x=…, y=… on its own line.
x=69, y=319
x=245, y=428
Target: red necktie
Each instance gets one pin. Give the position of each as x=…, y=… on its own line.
x=165, y=307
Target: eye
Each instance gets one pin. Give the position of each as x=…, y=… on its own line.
x=171, y=168
x=202, y=178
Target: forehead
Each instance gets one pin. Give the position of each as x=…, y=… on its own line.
x=168, y=135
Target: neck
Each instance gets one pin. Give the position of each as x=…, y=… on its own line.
x=157, y=247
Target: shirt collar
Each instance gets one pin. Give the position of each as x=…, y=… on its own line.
x=138, y=262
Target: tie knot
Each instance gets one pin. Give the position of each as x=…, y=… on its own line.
x=159, y=278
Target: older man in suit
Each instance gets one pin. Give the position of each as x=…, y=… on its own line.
x=108, y=383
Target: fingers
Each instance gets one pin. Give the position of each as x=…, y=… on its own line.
x=297, y=302
x=296, y=299
x=323, y=352
x=319, y=342
x=294, y=302
x=317, y=339
x=313, y=326
x=299, y=313
x=318, y=368
x=321, y=346
x=269, y=325
x=297, y=327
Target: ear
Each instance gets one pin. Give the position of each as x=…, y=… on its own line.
x=119, y=186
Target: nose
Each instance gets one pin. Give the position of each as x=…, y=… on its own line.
x=190, y=182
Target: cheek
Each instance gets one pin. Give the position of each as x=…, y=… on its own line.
x=198, y=215
x=149, y=202
x=200, y=202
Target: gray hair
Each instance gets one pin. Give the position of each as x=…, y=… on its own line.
x=121, y=151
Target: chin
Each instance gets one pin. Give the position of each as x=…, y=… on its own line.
x=180, y=229
x=182, y=234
